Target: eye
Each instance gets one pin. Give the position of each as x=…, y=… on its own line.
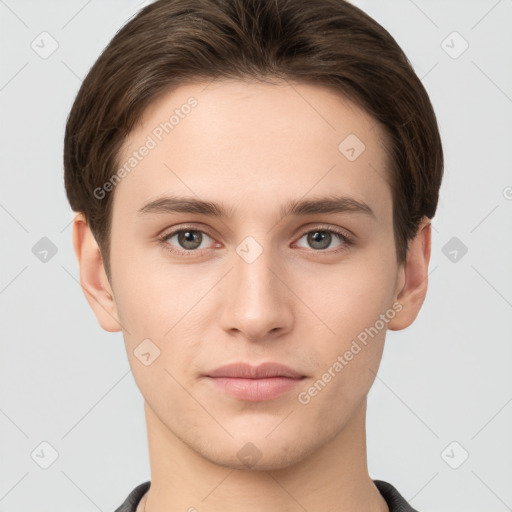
x=320, y=239
x=189, y=240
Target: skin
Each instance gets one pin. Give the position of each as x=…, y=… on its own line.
x=254, y=146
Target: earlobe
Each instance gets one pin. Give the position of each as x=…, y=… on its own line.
x=414, y=278
x=93, y=278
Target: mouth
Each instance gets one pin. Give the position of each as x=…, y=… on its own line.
x=255, y=383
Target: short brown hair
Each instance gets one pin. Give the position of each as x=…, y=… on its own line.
x=328, y=42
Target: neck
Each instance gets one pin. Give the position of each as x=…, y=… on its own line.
x=334, y=477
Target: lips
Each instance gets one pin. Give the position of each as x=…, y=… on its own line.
x=263, y=371
x=254, y=383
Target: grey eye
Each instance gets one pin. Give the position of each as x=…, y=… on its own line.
x=320, y=239
x=188, y=239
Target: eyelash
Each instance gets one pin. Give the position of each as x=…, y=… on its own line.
x=344, y=237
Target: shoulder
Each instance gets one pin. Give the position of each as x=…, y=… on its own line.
x=132, y=500
x=395, y=501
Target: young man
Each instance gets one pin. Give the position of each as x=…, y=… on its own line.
x=254, y=182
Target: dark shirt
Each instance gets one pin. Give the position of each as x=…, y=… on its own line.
x=395, y=501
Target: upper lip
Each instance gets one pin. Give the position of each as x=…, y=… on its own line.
x=264, y=370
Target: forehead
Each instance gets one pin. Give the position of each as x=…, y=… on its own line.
x=252, y=142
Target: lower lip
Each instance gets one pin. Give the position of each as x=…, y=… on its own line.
x=255, y=390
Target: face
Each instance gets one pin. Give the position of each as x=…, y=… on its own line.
x=308, y=287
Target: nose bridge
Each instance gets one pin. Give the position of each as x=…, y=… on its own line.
x=258, y=302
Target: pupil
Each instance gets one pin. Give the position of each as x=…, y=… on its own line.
x=190, y=239
x=320, y=237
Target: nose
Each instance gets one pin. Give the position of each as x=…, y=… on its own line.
x=256, y=302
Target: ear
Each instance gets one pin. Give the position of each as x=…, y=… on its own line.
x=413, y=278
x=93, y=277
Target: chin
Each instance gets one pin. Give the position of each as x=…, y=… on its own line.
x=256, y=452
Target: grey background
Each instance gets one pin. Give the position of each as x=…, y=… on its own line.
x=447, y=378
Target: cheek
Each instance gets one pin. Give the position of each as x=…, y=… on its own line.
x=347, y=367
x=163, y=314
x=354, y=306
x=348, y=297
x=150, y=294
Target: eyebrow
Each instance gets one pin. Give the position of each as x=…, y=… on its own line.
x=325, y=205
